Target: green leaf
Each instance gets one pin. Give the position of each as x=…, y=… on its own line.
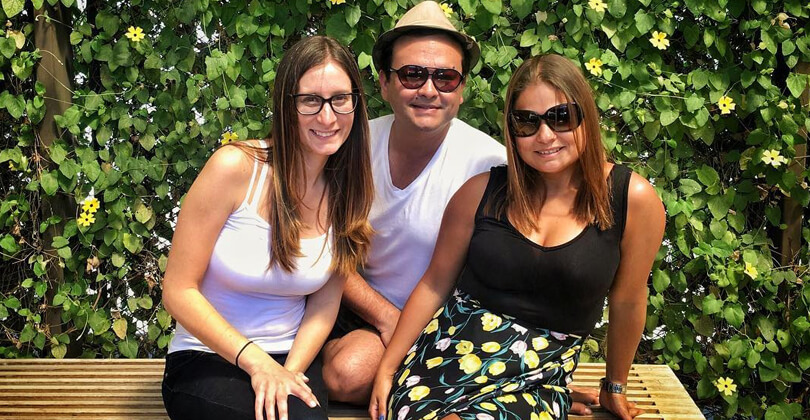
x=164, y=319
x=693, y=103
x=660, y=280
x=9, y=244
x=145, y=302
x=493, y=6
x=337, y=28
x=689, y=187
x=12, y=7
x=734, y=315
x=766, y=328
x=718, y=206
x=49, y=183
x=132, y=243
x=15, y=105
x=119, y=326
x=796, y=83
x=804, y=359
x=669, y=116
x=7, y=47
x=353, y=14
x=644, y=21
x=708, y=176
x=617, y=8
x=128, y=348
x=522, y=8
x=711, y=305
x=99, y=322
x=59, y=351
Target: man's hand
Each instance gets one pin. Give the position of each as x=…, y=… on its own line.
x=387, y=325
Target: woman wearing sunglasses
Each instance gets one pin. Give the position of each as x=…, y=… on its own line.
x=263, y=243
x=537, y=245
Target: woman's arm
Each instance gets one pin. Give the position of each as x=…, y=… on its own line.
x=627, y=300
x=434, y=287
x=216, y=193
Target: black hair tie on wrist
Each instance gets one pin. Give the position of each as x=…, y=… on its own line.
x=236, y=362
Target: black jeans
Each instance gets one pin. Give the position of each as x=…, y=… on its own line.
x=200, y=386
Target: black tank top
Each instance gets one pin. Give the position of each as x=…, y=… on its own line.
x=560, y=288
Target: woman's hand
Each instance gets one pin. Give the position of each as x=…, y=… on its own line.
x=619, y=406
x=273, y=384
x=583, y=397
x=378, y=405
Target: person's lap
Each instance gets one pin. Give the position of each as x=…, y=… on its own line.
x=198, y=385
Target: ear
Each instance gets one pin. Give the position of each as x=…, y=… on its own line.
x=462, y=86
x=385, y=80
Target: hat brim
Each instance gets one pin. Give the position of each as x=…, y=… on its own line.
x=468, y=44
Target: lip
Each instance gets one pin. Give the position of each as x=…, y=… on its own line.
x=550, y=151
x=425, y=107
x=323, y=134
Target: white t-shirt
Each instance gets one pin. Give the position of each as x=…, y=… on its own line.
x=406, y=221
x=266, y=306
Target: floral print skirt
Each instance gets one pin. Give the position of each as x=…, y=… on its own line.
x=484, y=366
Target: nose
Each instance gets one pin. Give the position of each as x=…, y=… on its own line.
x=545, y=133
x=327, y=115
x=428, y=90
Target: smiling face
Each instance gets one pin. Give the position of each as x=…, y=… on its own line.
x=423, y=110
x=323, y=133
x=547, y=151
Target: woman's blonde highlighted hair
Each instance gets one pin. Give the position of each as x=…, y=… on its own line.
x=592, y=203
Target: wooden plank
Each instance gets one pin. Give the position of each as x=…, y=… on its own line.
x=125, y=389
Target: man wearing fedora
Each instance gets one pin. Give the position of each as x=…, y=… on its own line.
x=420, y=156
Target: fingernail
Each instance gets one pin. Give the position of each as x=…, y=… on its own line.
x=382, y=417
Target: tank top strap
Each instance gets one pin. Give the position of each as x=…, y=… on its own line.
x=494, y=192
x=256, y=179
x=619, y=184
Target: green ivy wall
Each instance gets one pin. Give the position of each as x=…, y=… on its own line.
x=703, y=97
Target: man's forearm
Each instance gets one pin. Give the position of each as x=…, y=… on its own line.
x=369, y=304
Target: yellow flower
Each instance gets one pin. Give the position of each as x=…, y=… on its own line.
x=432, y=363
x=90, y=205
x=481, y=379
x=487, y=389
x=409, y=358
x=490, y=347
x=751, y=270
x=85, y=219
x=464, y=347
x=529, y=399
x=773, y=158
x=403, y=376
x=539, y=343
x=489, y=406
x=726, y=105
x=451, y=330
x=726, y=386
x=432, y=326
x=594, y=66
x=509, y=398
x=545, y=415
x=597, y=5
x=135, y=34
x=531, y=359
x=438, y=312
x=228, y=137
x=568, y=366
x=554, y=388
x=448, y=11
x=430, y=415
x=469, y=363
x=11, y=166
x=490, y=321
x=337, y=1
x=659, y=40
x=497, y=368
x=418, y=392
x=510, y=387
x=570, y=352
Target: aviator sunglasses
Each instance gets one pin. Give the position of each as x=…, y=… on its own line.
x=414, y=77
x=559, y=118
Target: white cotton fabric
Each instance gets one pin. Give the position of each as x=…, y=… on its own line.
x=266, y=306
x=406, y=221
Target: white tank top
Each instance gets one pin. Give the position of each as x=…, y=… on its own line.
x=266, y=306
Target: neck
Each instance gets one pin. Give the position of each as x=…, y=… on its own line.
x=414, y=142
x=312, y=172
x=561, y=182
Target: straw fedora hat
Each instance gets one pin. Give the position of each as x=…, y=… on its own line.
x=425, y=15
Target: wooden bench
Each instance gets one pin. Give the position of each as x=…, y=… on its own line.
x=130, y=389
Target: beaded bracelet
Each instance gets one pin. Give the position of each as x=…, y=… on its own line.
x=236, y=362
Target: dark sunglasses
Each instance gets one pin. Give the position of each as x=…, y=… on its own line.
x=311, y=104
x=414, y=77
x=559, y=118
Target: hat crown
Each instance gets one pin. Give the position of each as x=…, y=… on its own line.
x=428, y=14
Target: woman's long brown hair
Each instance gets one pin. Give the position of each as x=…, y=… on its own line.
x=525, y=193
x=347, y=172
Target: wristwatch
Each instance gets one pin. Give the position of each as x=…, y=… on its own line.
x=612, y=387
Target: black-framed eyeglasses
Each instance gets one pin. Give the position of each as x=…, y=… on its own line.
x=559, y=118
x=414, y=77
x=311, y=104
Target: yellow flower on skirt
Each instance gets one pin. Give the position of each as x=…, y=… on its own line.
x=409, y=358
x=539, y=343
x=531, y=359
x=510, y=387
x=469, y=363
x=489, y=406
x=569, y=365
x=508, y=398
x=438, y=312
x=431, y=415
x=490, y=347
x=545, y=415
x=490, y=321
x=529, y=399
x=570, y=352
x=451, y=330
x=404, y=375
x=432, y=326
x=481, y=379
x=432, y=363
x=497, y=368
x=487, y=389
x=464, y=347
x=418, y=392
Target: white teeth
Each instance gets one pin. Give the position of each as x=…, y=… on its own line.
x=324, y=133
x=548, y=152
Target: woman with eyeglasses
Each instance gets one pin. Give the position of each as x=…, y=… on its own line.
x=264, y=240
x=537, y=245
